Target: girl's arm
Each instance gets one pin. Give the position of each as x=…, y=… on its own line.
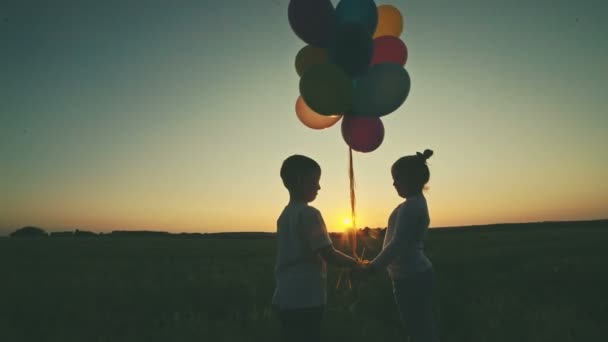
x=405, y=231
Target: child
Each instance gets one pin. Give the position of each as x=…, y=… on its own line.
x=304, y=247
x=403, y=249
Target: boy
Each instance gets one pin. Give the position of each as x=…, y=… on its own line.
x=304, y=248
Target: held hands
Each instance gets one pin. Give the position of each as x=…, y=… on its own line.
x=357, y=272
x=361, y=270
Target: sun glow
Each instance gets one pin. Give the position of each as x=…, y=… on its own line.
x=347, y=222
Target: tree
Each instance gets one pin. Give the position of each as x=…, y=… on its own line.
x=29, y=232
x=61, y=234
x=84, y=233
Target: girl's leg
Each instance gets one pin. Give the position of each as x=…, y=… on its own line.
x=413, y=296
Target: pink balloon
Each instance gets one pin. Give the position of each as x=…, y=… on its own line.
x=361, y=133
x=389, y=49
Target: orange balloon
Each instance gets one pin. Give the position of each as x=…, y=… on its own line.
x=312, y=119
x=390, y=22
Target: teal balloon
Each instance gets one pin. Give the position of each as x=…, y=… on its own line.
x=361, y=12
x=327, y=89
x=381, y=90
x=352, y=48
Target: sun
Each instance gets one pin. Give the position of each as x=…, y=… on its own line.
x=347, y=222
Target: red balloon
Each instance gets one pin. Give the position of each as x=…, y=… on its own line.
x=389, y=49
x=361, y=133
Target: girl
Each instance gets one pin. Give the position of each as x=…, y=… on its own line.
x=402, y=252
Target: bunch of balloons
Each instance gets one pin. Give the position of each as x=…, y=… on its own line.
x=352, y=67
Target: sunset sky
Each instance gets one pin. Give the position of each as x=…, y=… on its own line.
x=176, y=116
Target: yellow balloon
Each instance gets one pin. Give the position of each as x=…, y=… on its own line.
x=309, y=56
x=390, y=22
x=312, y=119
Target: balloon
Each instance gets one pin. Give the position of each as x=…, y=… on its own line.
x=381, y=90
x=327, y=89
x=390, y=22
x=314, y=120
x=314, y=21
x=362, y=134
x=361, y=12
x=389, y=49
x=352, y=48
x=308, y=56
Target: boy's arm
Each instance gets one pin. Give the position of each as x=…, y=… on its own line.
x=320, y=242
x=336, y=258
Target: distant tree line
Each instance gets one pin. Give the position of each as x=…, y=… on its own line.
x=364, y=232
x=36, y=232
x=39, y=232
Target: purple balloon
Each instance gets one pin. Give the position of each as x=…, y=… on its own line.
x=314, y=21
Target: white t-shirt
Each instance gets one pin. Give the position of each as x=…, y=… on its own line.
x=300, y=272
x=403, y=248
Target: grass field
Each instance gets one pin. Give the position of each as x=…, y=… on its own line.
x=528, y=283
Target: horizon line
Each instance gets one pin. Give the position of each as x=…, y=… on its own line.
x=6, y=234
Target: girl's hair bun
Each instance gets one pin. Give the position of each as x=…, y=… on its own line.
x=425, y=155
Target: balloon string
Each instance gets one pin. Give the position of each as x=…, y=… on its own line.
x=352, y=233
x=351, y=175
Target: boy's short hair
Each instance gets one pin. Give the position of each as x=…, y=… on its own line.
x=296, y=166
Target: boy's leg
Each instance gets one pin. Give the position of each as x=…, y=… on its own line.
x=413, y=296
x=301, y=324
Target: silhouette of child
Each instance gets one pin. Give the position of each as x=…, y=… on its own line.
x=402, y=252
x=304, y=248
